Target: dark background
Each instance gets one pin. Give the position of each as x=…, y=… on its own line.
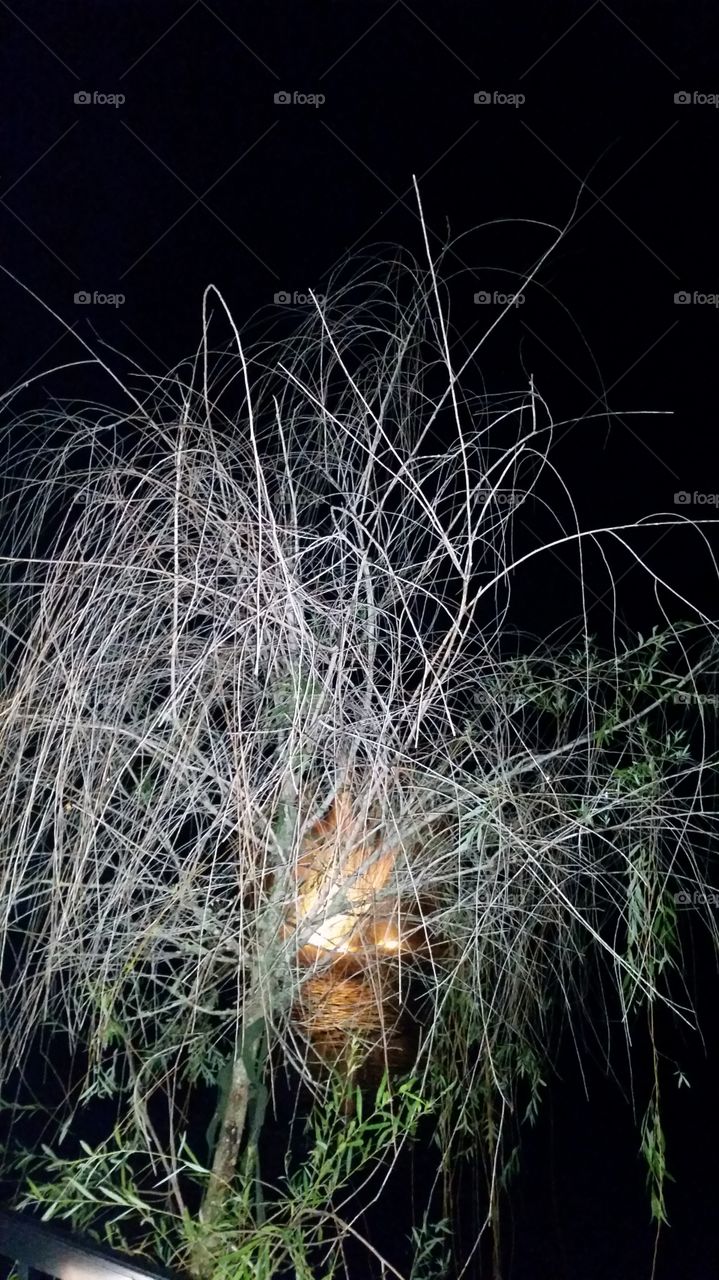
x=200, y=176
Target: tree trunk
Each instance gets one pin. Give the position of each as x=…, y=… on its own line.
x=224, y=1166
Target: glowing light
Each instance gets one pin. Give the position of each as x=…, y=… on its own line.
x=339, y=876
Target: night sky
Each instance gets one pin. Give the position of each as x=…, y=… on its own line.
x=150, y=149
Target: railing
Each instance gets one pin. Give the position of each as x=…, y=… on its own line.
x=34, y=1247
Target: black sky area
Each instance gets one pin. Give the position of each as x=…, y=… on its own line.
x=199, y=175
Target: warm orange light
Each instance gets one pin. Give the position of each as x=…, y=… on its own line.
x=338, y=877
